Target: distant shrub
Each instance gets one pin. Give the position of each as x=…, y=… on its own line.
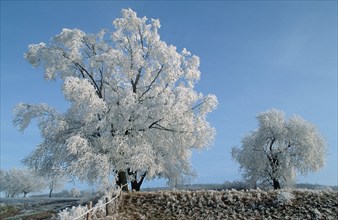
x=88, y=193
x=237, y=185
x=315, y=186
x=63, y=194
x=76, y=212
x=334, y=188
x=72, y=213
x=75, y=193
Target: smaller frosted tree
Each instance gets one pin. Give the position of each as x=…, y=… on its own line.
x=279, y=149
x=19, y=181
x=29, y=182
x=4, y=182
x=54, y=183
x=75, y=192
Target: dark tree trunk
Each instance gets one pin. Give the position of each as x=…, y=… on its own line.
x=274, y=163
x=136, y=186
x=24, y=194
x=122, y=180
x=50, y=192
x=276, y=184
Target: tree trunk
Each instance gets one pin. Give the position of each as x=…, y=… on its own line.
x=136, y=186
x=276, y=184
x=24, y=194
x=122, y=180
x=50, y=192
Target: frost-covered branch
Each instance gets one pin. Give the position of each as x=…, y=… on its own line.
x=132, y=105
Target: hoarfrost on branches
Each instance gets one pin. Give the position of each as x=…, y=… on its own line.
x=280, y=148
x=72, y=213
x=75, y=192
x=133, y=105
x=20, y=181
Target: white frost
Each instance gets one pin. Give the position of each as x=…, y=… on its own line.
x=133, y=104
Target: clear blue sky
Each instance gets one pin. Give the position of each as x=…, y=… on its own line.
x=255, y=55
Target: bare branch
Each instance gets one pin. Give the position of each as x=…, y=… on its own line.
x=152, y=82
x=83, y=70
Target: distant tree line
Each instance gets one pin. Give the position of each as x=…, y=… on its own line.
x=21, y=182
x=18, y=181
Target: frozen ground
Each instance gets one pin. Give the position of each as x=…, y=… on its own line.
x=229, y=204
x=195, y=204
x=34, y=208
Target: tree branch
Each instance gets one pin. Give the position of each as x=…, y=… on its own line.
x=142, y=178
x=152, y=82
x=83, y=70
x=138, y=76
x=154, y=123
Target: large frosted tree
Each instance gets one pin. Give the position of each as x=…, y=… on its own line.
x=279, y=149
x=134, y=112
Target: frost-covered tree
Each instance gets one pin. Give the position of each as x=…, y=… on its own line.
x=54, y=178
x=134, y=112
x=8, y=186
x=279, y=149
x=54, y=182
x=21, y=181
x=75, y=192
x=3, y=182
x=30, y=182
